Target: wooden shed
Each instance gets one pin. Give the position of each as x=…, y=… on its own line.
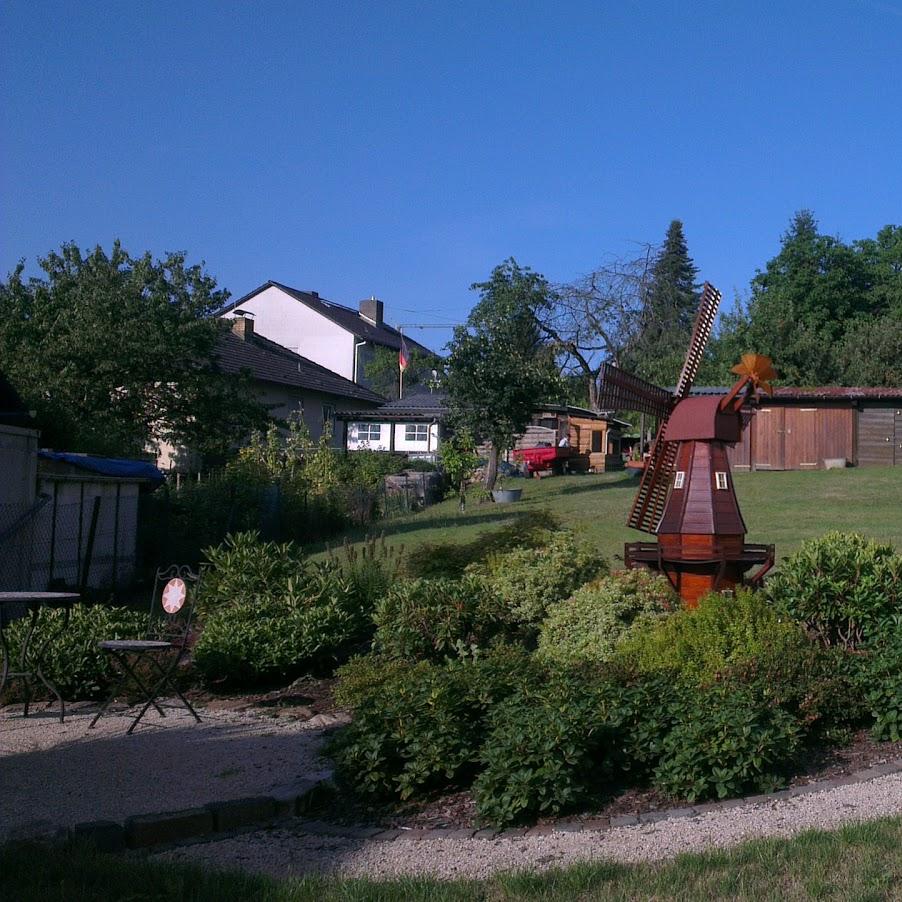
x=800, y=429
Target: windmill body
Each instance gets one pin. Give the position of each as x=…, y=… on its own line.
x=686, y=497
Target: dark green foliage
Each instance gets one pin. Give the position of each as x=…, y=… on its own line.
x=381, y=372
x=586, y=627
x=116, y=351
x=546, y=750
x=430, y=619
x=72, y=660
x=723, y=631
x=845, y=588
x=726, y=742
x=528, y=530
x=881, y=681
x=529, y=580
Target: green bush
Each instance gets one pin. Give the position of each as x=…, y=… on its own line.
x=882, y=678
x=419, y=726
x=697, y=644
x=309, y=622
x=244, y=567
x=450, y=559
x=845, y=588
x=587, y=626
x=71, y=660
x=726, y=742
x=435, y=618
x=529, y=580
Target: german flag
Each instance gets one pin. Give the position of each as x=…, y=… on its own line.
x=403, y=356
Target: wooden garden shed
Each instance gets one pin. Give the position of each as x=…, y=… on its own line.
x=593, y=437
x=800, y=429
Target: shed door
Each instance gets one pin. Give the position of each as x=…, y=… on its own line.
x=801, y=438
x=769, y=435
x=879, y=437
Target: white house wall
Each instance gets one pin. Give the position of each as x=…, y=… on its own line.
x=294, y=325
x=401, y=443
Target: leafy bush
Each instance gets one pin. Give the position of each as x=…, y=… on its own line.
x=882, y=678
x=530, y=580
x=450, y=559
x=419, y=726
x=434, y=618
x=72, y=661
x=244, y=567
x=726, y=742
x=587, y=626
x=846, y=588
x=310, y=620
x=723, y=631
x=372, y=567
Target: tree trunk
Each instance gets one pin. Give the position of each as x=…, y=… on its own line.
x=491, y=468
x=593, y=391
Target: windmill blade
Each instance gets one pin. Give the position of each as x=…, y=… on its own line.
x=619, y=390
x=648, y=508
x=701, y=332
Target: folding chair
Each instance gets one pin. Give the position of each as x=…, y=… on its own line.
x=171, y=611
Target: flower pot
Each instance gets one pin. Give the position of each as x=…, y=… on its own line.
x=506, y=496
x=834, y=463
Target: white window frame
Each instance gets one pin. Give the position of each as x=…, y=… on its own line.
x=680, y=479
x=720, y=478
x=369, y=435
x=416, y=427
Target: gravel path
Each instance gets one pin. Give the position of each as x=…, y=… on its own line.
x=285, y=852
x=66, y=773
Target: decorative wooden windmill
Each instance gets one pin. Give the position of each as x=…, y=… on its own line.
x=686, y=495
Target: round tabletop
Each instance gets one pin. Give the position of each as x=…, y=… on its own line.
x=13, y=597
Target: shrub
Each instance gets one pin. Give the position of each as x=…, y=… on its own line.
x=419, y=726
x=314, y=618
x=726, y=742
x=71, y=660
x=723, y=631
x=528, y=530
x=244, y=567
x=546, y=750
x=846, y=588
x=587, y=626
x=434, y=618
x=372, y=567
x=882, y=677
x=529, y=580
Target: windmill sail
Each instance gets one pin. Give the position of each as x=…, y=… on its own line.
x=701, y=332
x=619, y=390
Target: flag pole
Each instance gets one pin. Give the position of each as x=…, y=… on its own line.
x=401, y=370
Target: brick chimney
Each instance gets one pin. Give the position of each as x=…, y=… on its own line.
x=243, y=324
x=371, y=309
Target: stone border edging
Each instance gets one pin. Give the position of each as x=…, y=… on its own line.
x=239, y=815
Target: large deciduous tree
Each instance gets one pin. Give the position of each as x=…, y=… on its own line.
x=114, y=352
x=499, y=366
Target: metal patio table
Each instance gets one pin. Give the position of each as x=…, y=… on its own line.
x=30, y=655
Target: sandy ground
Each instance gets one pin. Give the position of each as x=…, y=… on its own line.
x=66, y=773
x=287, y=852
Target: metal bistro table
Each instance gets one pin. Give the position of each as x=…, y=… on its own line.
x=29, y=657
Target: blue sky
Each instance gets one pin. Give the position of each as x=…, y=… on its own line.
x=403, y=149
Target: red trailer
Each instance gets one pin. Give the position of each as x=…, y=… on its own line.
x=544, y=459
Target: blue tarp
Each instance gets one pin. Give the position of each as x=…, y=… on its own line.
x=107, y=466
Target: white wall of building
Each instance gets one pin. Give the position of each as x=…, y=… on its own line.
x=425, y=445
x=288, y=322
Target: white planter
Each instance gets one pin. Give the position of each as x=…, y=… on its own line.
x=834, y=463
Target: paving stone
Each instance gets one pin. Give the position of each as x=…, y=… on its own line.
x=512, y=833
x=321, y=828
x=416, y=833
x=597, y=823
x=171, y=826
x=387, y=835
x=804, y=790
x=451, y=833
x=707, y=807
x=760, y=799
x=724, y=804
x=361, y=832
x=624, y=820
x=105, y=836
x=652, y=817
x=242, y=812
x=568, y=827
x=486, y=833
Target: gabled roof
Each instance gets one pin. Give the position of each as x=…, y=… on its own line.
x=818, y=393
x=270, y=362
x=423, y=405
x=346, y=317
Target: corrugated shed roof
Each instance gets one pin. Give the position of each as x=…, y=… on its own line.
x=822, y=393
x=346, y=317
x=270, y=362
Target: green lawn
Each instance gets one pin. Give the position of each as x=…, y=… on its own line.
x=860, y=862
x=783, y=508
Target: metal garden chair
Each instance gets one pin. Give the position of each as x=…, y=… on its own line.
x=163, y=647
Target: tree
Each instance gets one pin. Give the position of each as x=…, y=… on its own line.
x=499, y=367
x=668, y=312
x=115, y=351
x=381, y=371
x=594, y=320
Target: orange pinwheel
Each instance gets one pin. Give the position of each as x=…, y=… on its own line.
x=759, y=370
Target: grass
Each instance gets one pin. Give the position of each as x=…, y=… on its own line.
x=859, y=862
x=784, y=508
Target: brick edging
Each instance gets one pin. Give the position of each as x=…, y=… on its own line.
x=204, y=822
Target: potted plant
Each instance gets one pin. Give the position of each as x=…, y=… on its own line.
x=501, y=495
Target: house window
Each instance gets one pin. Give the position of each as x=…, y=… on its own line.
x=328, y=414
x=416, y=432
x=721, y=478
x=680, y=479
x=369, y=432
x=597, y=436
